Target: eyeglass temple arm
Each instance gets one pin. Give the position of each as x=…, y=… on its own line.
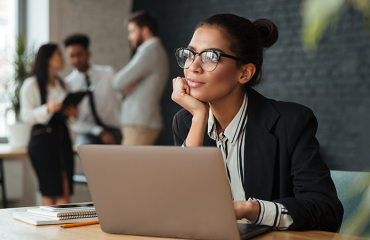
x=232, y=57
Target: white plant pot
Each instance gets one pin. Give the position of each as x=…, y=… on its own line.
x=19, y=135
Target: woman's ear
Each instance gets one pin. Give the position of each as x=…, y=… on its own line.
x=248, y=72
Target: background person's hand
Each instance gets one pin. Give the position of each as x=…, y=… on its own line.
x=131, y=88
x=70, y=110
x=181, y=95
x=246, y=209
x=107, y=138
x=54, y=106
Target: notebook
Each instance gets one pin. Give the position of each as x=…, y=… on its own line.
x=62, y=215
x=38, y=220
x=68, y=207
x=163, y=191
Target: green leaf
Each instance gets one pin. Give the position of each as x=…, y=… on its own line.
x=317, y=16
x=21, y=60
x=363, y=7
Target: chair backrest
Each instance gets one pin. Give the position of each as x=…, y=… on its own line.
x=344, y=182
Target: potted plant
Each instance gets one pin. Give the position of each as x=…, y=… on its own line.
x=21, y=60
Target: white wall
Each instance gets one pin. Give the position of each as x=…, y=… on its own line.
x=102, y=21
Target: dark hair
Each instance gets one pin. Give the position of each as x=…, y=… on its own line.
x=80, y=39
x=248, y=40
x=144, y=18
x=40, y=68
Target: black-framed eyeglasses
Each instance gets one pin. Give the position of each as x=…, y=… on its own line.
x=208, y=58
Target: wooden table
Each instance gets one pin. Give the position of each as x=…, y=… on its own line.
x=14, y=229
x=6, y=151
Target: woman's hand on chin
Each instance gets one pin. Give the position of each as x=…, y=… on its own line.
x=181, y=95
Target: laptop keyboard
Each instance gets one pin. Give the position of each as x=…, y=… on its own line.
x=247, y=231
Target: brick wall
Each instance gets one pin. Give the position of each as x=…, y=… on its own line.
x=101, y=20
x=334, y=82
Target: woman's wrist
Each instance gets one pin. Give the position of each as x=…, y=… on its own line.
x=200, y=118
x=48, y=107
x=251, y=210
x=196, y=133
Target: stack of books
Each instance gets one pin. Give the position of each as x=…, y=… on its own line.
x=50, y=215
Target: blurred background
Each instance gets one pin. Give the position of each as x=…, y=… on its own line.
x=321, y=59
x=332, y=80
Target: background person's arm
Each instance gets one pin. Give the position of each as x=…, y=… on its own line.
x=130, y=89
x=140, y=65
x=31, y=112
x=80, y=126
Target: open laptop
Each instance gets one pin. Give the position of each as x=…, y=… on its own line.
x=162, y=191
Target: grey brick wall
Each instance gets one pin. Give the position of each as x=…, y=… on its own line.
x=334, y=82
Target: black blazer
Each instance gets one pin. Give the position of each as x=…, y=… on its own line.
x=282, y=161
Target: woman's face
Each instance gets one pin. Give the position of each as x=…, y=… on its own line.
x=56, y=60
x=215, y=85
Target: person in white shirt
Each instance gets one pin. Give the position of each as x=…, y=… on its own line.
x=142, y=82
x=50, y=146
x=99, y=112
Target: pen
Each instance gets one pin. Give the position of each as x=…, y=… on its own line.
x=79, y=224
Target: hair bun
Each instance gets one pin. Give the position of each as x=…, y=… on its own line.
x=268, y=31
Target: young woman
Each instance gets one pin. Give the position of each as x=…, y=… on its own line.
x=276, y=174
x=50, y=147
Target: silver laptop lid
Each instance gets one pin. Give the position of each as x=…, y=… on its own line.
x=160, y=191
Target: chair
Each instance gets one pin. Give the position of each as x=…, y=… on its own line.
x=344, y=182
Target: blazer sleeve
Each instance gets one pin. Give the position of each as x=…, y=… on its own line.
x=316, y=204
x=178, y=140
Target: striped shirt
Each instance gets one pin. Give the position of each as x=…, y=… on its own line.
x=231, y=142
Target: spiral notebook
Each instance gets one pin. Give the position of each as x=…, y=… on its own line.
x=64, y=214
x=40, y=220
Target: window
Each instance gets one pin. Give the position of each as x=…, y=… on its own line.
x=8, y=31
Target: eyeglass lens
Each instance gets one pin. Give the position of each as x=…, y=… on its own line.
x=208, y=60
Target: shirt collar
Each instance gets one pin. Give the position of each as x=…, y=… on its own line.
x=236, y=126
x=89, y=71
x=212, y=132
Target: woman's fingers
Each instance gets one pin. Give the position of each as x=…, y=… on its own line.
x=187, y=88
x=179, y=88
x=70, y=110
x=181, y=95
x=58, y=106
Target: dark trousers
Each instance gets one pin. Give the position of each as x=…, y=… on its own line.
x=50, y=151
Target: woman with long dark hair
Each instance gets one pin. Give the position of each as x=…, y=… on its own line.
x=276, y=174
x=50, y=147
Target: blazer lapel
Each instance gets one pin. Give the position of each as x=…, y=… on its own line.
x=260, y=147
